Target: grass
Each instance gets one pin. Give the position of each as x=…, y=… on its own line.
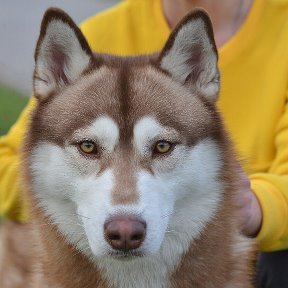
x=11, y=105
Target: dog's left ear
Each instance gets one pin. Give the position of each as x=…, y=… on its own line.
x=62, y=54
x=190, y=55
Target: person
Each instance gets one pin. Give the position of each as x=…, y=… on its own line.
x=252, y=39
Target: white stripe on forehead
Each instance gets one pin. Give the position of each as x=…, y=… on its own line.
x=104, y=130
x=149, y=130
x=145, y=130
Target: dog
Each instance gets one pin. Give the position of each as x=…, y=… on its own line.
x=129, y=172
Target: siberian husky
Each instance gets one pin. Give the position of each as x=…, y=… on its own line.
x=129, y=172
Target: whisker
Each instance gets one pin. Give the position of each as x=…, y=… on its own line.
x=83, y=216
x=170, y=231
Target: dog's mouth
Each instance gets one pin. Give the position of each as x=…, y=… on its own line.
x=125, y=255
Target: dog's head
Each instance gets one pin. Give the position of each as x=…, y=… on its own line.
x=125, y=155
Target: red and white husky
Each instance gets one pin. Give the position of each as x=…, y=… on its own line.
x=129, y=172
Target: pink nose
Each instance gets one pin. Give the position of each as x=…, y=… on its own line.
x=125, y=232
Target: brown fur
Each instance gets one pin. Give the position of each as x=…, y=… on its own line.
x=15, y=255
x=127, y=89
x=125, y=191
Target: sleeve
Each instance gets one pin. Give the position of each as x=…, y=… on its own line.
x=12, y=204
x=271, y=189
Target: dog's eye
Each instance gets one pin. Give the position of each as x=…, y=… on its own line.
x=88, y=147
x=162, y=147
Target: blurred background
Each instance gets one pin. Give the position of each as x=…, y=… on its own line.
x=19, y=28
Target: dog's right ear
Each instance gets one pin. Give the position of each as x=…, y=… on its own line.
x=62, y=54
x=190, y=55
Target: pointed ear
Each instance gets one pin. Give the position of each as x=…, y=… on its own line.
x=190, y=55
x=62, y=54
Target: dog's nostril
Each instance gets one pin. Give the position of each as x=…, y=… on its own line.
x=137, y=236
x=125, y=232
x=114, y=236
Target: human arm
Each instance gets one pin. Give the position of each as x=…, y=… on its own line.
x=12, y=203
x=271, y=189
x=263, y=200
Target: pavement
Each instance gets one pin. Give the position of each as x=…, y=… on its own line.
x=19, y=29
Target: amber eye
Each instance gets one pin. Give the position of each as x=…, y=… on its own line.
x=88, y=147
x=162, y=147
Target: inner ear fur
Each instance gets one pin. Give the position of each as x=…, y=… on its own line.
x=58, y=14
x=190, y=55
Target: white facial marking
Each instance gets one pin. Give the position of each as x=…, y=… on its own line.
x=75, y=202
x=147, y=131
x=53, y=184
x=104, y=129
x=94, y=205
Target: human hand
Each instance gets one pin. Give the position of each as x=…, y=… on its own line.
x=250, y=212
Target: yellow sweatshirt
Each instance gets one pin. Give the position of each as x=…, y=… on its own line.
x=253, y=100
